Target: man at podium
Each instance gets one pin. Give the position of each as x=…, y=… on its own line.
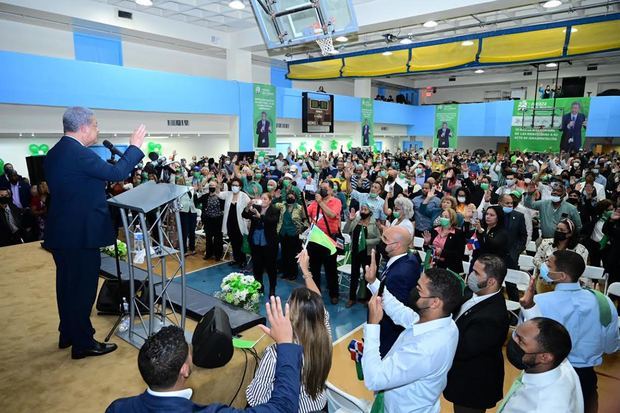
x=79, y=223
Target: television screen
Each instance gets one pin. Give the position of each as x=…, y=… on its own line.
x=318, y=113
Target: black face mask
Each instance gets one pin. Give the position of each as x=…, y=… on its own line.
x=323, y=192
x=380, y=249
x=414, y=296
x=390, y=179
x=573, y=201
x=4, y=200
x=364, y=215
x=248, y=177
x=212, y=189
x=559, y=236
x=290, y=200
x=515, y=354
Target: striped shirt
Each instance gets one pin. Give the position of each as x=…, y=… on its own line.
x=260, y=389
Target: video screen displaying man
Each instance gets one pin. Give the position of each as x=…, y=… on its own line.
x=263, y=129
x=366, y=133
x=572, y=123
x=443, y=136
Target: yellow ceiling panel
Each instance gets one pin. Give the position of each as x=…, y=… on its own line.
x=518, y=47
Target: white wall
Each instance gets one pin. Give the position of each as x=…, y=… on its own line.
x=338, y=87
x=37, y=40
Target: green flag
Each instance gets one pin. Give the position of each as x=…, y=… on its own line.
x=361, y=245
x=317, y=236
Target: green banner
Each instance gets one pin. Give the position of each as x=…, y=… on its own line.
x=553, y=126
x=446, y=124
x=368, y=122
x=265, y=118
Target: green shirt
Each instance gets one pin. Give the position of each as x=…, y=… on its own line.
x=288, y=227
x=252, y=188
x=549, y=216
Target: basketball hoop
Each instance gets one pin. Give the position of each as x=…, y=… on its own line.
x=327, y=46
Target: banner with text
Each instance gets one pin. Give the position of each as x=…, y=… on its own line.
x=368, y=122
x=446, y=125
x=551, y=127
x=265, y=118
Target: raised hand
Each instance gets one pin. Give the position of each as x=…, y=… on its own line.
x=303, y=260
x=137, y=137
x=427, y=237
x=352, y=214
x=527, y=301
x=281, y=330
x=371, y=270
x=375, y=310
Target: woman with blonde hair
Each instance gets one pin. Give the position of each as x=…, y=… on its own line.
x=311, y=330
x=447, y=242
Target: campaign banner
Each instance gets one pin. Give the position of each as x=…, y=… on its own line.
x=446, y=125
x=555, y=125
x=265, y=118
x=368, y=122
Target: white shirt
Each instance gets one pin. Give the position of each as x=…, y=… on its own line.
x=415, y=370
x=185, y=393
x=475, y=299
x=15, y=192
x=556, y=390
x=405, y=223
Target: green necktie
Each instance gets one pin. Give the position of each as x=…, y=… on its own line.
x=378, y=405
x=516, y=385
x=361, y=245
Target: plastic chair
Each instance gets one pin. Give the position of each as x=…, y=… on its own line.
x=344, y=277
x=466, y=265
x=531, y=247
x=614, y=289
x=340, y=402
x=526, y=263
x=595, y=274
x=418, y=243
x=522, y=279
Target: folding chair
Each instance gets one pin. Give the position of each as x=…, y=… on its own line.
x=340, y=402
x=595, y=275
x=526, y=263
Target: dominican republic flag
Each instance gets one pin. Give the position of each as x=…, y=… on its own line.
x=473, y=243
x=356, y=348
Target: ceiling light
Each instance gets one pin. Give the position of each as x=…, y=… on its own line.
x=145, y=3
x=342, y=39
x=572, y=30
x=551, y=4
x=406, y=40
x=236, y=4
x=551, y=64
x=479, y=71
x=430, y=24
x=467, y=43
x=387, y=53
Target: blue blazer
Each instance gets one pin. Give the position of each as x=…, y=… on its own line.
x=284, y=399
x=79, y=216
x=399, y=279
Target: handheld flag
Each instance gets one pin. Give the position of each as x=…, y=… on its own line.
x=356, y=348
x=317, y=236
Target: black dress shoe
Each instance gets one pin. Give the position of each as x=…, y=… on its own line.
x=64, y=343
x=99, y=349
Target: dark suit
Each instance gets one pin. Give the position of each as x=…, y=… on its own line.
x=452, y=252
x=23, y=192
x=399, y=278
x=78, y=224
x=443, y=138
x=477, y=374
x=514, y=223
x=264, y=257
x=4, y=182
x=571, y=137
x=262, y=130
x=366, y=135
x=284, y=399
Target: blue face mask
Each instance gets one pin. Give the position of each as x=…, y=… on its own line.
x=507, y=210
x=543, y=271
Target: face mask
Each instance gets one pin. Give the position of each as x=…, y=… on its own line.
x=364, y=215
x=260, y=159
x=248, y=177
x=381, y=250
x=390, y=179
x=227, y=162
x=515, y=354
x=402, y=176
x=396, y=214
x=510, y=182
x=290, y=200
x=373, y=195
x=461, y=199
x=272, y=168
x=573, y=201
x=507, y=210
x=555, y=199
x=211, y=189
x=474, y=285
x=559, y=236
x=236, y=189
x=259, y=176
x=270, y=188
x=595, y=171
x=444, y=222
x=414, y=297
x=305, y=175
x=418, y=171
x=383, y=173
x=286, y=183
x=323, y=192
x=543, y=271
x=4, y=200
x=484, y=186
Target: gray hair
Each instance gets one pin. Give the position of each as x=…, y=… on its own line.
x=75, y=117
x=405, y=205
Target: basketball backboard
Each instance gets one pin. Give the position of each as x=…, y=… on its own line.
x=292, y=22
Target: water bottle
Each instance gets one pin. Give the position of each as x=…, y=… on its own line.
x=138, y=241
x=124, y=325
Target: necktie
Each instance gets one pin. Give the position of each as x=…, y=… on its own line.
x=513, y=389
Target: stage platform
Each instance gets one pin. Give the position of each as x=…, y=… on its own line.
x=36, y=376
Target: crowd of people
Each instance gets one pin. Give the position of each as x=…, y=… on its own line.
x=432, y=327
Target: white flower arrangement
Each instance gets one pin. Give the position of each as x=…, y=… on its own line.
x=240, y=290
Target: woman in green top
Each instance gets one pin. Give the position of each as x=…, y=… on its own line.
x=290, y=226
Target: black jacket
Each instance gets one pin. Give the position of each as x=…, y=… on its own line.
x=269, y=222
x=516, y=232
x=477, y=374
x=452, y=252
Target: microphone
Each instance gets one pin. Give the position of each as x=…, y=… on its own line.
x=112, y=149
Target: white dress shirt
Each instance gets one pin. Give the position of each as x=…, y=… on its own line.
x=556, y=390
x=185, y=393
x=415, y=370
x=475, y=299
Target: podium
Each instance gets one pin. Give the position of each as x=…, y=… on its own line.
x=153, y=209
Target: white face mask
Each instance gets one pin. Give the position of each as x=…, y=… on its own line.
x=555, y=198
x=236, y=189
x=461, y=199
